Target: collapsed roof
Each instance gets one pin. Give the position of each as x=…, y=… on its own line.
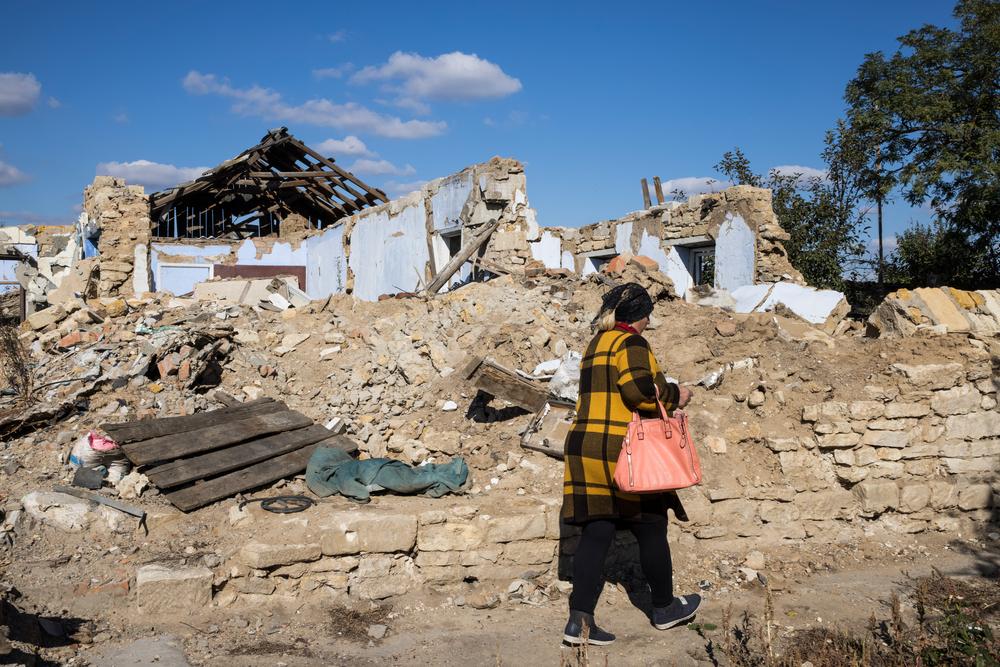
x=253, y=192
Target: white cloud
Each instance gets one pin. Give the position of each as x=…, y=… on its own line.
x=11, y=175
x=153, y=175
x=349, y=145
x=268, y=104
x=381, y=167
x=397, y=188
x=451, y=76
x=120, y=118
x=54, y=103
x=18, y=93
x=804, y=174
x=338, y=36
x=694, y=185
x=333, y=72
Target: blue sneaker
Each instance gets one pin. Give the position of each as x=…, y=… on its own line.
x=573, y=634
x=679, y=610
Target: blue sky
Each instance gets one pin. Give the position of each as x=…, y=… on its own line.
x=590, y=96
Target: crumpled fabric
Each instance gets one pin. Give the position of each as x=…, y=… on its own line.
x=332, y=470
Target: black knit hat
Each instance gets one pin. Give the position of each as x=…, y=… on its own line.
x=630, y=303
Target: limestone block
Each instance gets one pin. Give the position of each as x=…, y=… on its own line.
x=45, y=318
x=162, y=589
x=886, y=469
x=956, y=401
x=782, y=444
x=838, y=440
x=361, y=532
x=877, y=496
x=898, y=439
x=261, y=556
x=824, y=504
x=973, y=426
x=733, y=514
x=826, y=428
x=880, y=392
x=59, y=510
x=515, y=527
x=943, y=495
x=940, y=309
x=451, y=536
x=254, y=585
x=932, y=376
x=774, y=512
x=985, y=464
x=969, y=450
x=697, y=506
x=865, y=410
x=891, y=424
x=921, y=467
x=383, y=577
x=975, y=496
x=914, y=497
x=897, y=410
x=529, y=553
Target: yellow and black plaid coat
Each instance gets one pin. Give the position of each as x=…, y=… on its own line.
x=616, y=377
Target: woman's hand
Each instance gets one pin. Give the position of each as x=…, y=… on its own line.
x=685, y=396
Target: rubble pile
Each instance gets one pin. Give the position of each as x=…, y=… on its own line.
x=806, y=437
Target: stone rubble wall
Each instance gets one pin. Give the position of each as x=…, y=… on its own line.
x=701, y=215
x=917, y=450
x=121, y=214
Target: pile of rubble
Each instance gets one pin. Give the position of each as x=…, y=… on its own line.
x=805, y=437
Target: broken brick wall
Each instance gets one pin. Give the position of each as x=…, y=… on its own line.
x=121, y=214
x=698, y=221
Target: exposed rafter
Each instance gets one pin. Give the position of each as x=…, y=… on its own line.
x=278, y=174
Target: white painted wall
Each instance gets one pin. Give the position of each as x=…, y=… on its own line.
x=735, y=248
x=326, y=263
x=623, y=238
x=675, y=267
x=280, y=254
x=448, y=202
x=547, y=250
x=389, y=254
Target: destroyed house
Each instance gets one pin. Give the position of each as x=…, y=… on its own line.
x=254, y=192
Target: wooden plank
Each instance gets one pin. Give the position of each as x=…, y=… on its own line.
x=502, y=383
x=645, y=194
x=238, y=456
x=481, y=237
x=154, y=428
x=174, y=446
x=658, y=189
x=251, y=477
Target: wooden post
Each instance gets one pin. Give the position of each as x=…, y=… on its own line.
x=658, y=188
x=463, y=255
x=645, y=194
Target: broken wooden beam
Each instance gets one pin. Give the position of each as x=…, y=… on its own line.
x=645, y=195
x=462, y=257
x=503, y=383
x=658, y=189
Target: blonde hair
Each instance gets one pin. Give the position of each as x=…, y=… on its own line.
x=606, y=321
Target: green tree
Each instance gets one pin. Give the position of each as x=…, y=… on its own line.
x=931, y=114
x=825, y=217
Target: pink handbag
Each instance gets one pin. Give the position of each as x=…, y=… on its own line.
x=657, y=454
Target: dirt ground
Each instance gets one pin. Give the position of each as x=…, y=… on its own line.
x=425, y=631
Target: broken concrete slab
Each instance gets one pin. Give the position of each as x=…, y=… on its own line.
x=823, y=308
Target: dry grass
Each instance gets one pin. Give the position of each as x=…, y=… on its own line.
x=352, y=624
x=952, y=628
x=14, y=363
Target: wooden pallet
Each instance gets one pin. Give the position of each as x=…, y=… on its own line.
x=199, y=459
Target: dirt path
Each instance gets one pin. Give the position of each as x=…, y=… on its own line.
x=518, y=634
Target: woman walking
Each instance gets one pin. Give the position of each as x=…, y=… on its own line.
x=619, y=375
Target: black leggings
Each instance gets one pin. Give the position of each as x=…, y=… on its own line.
x=654, y=555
